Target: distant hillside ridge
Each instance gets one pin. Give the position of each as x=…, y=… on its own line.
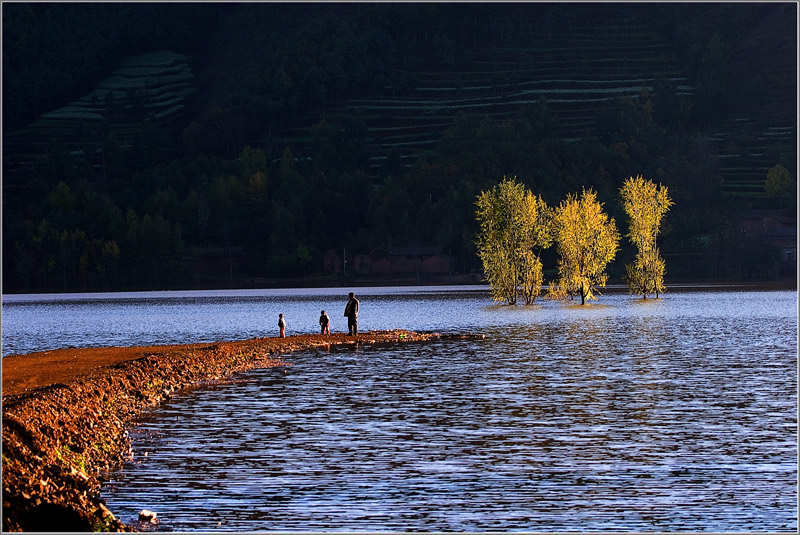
x=145, y=92
x=269, y=73
x=761, y=129
x=575, y=71
x=157, y=145
x=579, y=62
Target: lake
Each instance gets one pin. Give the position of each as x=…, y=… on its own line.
x=677, y=414
x=51, y=321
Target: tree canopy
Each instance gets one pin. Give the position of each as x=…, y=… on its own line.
x=646, y=204
x=515, y=226
x=587, y=240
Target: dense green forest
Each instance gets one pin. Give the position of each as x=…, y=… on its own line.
x=257, y=137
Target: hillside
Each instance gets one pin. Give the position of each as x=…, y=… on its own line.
x=575, y=69
x=244, y=141
x=762, y=128
x=144, y=94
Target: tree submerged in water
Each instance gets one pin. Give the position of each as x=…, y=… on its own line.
x=515, y=226
x=645, y=203
x=587, y=241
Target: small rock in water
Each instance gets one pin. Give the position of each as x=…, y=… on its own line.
x=147, y=516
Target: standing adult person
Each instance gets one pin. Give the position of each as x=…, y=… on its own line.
x=351, y=312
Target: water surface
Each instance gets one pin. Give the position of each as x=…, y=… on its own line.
x=678, y=414
x=39, y=322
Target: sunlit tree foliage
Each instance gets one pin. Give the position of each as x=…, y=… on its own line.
x=538, y=235
x=646, y=204
x=587, y=240
x=515, y=226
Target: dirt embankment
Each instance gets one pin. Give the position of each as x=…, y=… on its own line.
x=65, y=415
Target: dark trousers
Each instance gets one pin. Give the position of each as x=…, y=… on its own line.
x=352, y=325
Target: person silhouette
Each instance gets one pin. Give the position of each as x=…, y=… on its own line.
x=351, y=313
x=282, y=326
x=324, y=323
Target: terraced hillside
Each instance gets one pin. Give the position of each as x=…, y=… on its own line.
x=575, y=71
x=763, y=132
x=748, y=149
x=577, y=67
x=120, y=168
x=144, y=91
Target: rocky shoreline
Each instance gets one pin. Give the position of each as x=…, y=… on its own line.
x=63, y=428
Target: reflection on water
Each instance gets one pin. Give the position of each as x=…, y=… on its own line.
x=677, y=414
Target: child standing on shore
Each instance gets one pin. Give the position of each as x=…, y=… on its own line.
x=324, y=323
x=282, y=325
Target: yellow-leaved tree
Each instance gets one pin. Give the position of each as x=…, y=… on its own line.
x=587, y=240
x=538, y=236
x=645, y=203
x=515, y=226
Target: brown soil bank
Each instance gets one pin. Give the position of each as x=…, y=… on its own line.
x=65, y=415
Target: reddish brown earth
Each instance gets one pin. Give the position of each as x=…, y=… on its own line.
x=66, y=414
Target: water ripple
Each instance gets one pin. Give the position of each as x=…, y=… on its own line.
x=632, y=419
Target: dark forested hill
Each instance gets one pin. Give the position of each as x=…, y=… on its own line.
x=164, y=145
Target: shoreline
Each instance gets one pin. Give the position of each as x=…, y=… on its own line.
x=66, y=414
x=678, y=284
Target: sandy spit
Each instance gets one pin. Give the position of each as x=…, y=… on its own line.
x=66, y=414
